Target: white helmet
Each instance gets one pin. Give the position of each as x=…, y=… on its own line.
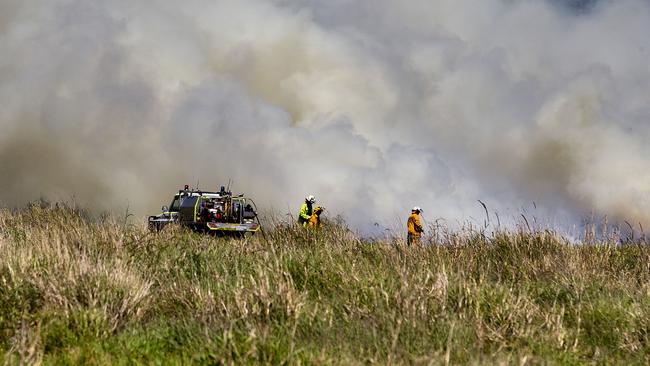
x=310, y=199
x=416, y=208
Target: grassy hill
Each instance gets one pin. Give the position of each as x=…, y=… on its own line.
x=102, y=291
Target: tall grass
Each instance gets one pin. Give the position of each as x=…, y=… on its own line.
x=99, y=291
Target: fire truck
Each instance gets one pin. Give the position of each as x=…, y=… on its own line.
x=217, y=213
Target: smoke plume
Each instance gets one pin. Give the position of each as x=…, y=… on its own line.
x=373, y=107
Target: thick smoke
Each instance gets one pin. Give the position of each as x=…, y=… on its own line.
x=372, y=106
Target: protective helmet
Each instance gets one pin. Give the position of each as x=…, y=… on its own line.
x=416, y=208
x=310, y=199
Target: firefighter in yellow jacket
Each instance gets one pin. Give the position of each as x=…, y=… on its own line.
x=414, y=227
x=306, y=211
x=314, y=220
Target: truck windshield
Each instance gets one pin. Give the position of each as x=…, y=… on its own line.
x=175, y=205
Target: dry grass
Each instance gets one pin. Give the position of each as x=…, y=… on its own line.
x=80, y=290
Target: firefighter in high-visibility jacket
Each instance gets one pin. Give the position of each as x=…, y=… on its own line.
x=306, y=210
x=314, y=220
x=414, y=227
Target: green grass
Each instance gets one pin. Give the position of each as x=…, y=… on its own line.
x=98, y=291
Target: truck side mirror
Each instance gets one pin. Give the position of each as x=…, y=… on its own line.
x=165, y=209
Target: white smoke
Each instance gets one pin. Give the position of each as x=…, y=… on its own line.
x=371, y=106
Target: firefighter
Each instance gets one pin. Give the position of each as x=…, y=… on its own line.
x=314, y=220
x=414, y=227
x=306, y=210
